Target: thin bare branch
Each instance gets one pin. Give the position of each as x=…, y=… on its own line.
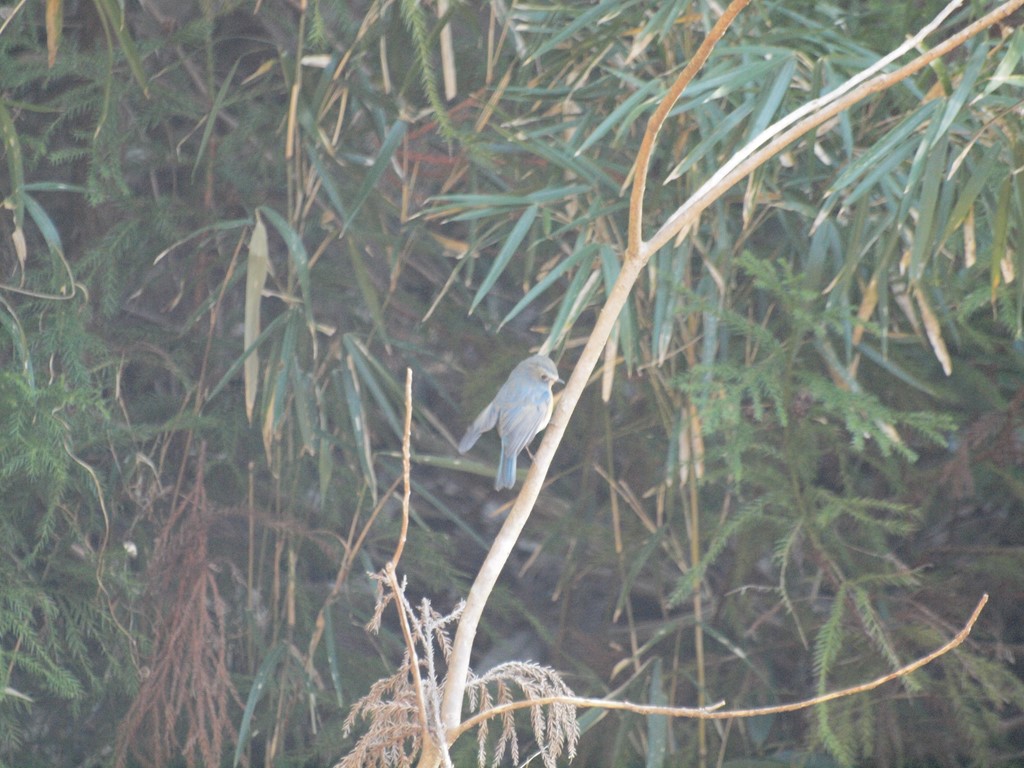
x=714, y=711
x=643, y=159
x=406, y=468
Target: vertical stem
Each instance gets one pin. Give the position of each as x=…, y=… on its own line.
x=698, y=608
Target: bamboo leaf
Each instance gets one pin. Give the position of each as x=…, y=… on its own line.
x=239, y=362
x=581, y=254
x=257, y=266
x=391, y=141
x=367, y=289
x=968, y=193
x=332, y=652
x=773, y=96
x=1000, y=234
x=54, y=27
x=617, y=117
x=16, y=171
x=259, y=684
x=924, y=233
x=588, y=18
x=113, y=15
x=933, y=330
x=348, y=382
x=299, y=259
x=211, y=117
x=508, y=250
x=365, y=366
x=657, y=725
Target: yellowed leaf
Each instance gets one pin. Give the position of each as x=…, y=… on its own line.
x=933, y=330
x=20, y=246
x=255, y=279
x=448, y=70
x=54, y=27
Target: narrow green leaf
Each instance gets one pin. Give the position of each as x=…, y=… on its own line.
x=304, y=405
x=364, y=362
x=579, y=255
x=773, y=96
x=53, y=186
x=657, y=725
x=713, y=141
x=45, y=226
x=299, y=258
x=493, y=204
x=968, y=193
x=581, y=290
x=588, y=18
x=965, y=88
x=113, y=15
x=924, y=232
x=896, y=370
x=882, y=154
x=1000, y=233
x=16, y=171
x=506, y=253
x=325, y=174
x=367, y=288
x=357, y=418
x=211, y=117
x=332, y=653
x=617, y=117
x=1005, y=73
x=232, y=370
x=391, y=141
x=623, y=332
x=259, y=684
x=286, y=360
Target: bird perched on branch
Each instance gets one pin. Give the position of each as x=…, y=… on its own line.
x=521, y=409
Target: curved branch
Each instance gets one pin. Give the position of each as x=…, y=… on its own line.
x=643, y=158
x=714, y=712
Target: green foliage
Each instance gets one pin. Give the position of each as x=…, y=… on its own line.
x=781, y=440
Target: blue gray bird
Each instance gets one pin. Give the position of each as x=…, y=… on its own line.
x=521, y=409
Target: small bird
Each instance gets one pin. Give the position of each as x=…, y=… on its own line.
x=521, y=409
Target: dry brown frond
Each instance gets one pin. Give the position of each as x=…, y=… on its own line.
x=392, y=706
x=183, y=704
x=395, y=733
x=554, y=724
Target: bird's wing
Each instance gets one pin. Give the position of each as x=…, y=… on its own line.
x=520, y=423
x=486, y=420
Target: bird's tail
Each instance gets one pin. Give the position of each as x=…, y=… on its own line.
x=506, y=477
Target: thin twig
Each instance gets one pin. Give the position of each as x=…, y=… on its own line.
x=643, y=158
x=406, y=468
x=714, y=711
x=410, y=644
x=389, y=569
